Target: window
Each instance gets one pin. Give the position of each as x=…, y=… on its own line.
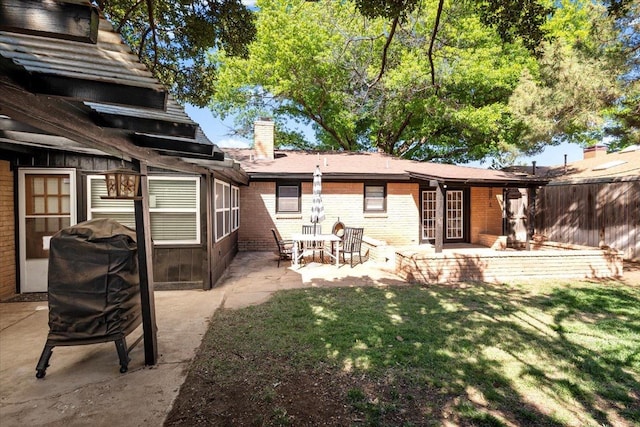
x=374, y=198
x=429, y=215
x=222, y=209
x=455, y=214
x=288, y=198
x=235, y=208
x=174, y=208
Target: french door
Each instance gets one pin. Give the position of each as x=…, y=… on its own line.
x=47, y=203
x=455, y=216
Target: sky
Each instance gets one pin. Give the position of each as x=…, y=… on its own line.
x=218, y=132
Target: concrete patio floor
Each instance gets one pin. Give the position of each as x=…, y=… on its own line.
x=83, y=385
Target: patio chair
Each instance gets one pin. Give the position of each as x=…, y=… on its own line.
x=285, y=247
x=311, y=245
x=352, y=243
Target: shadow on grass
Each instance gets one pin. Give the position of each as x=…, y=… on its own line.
x=475, y=354
x=467, y=340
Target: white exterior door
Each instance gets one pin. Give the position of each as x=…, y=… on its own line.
x=454, y=216
x=47, y=203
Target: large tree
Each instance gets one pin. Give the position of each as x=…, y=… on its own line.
x=582, y=85
x=174, y=38
x=432, y=80
x=426, y=79
x=433, y=84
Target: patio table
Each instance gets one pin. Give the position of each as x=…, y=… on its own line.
x=318, y=238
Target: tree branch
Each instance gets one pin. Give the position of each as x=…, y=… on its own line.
x=432, y=42
x=125, y=17
x=385, y=51
x=154, y=39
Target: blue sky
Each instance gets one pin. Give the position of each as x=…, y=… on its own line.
x=218, y=132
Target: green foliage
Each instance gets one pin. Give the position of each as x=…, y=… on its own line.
x=423, y=79
x=565, y=100
x=516, y=19
x=386, y=8
x=173, y=38
x=326, y=64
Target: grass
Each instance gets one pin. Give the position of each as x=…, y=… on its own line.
x=547, y=354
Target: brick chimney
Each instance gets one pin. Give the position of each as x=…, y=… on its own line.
x=263, y=137
x=595, y=151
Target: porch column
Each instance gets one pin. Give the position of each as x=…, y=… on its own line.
x=145, y=268
x=531, y=214
x=440, y=188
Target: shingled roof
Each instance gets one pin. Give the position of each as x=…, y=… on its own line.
x=69, y=82
x=298, y=164
x=622, y=165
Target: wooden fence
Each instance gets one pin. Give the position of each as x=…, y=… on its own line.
x=598, y=214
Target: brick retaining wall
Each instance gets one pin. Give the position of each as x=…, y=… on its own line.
x=503, y=266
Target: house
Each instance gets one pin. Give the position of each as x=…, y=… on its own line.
x=398, y=202
x=594, y=201
x=75, y=102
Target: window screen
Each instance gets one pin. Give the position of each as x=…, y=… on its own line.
x=374, y=198
x=288, y=198
x=174, y=208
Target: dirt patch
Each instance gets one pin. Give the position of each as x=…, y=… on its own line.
x=310, y=398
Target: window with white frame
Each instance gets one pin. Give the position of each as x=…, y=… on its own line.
x=455, y=214
x=374, y=198
x=174, y=207
x=222, y=209
x=429, y=214
x=235, y=208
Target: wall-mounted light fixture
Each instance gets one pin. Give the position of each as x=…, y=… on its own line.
x=122, y=184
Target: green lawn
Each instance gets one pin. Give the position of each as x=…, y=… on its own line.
x=541, y=354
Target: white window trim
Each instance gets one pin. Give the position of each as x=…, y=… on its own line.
x=196, y=241
x=224, y=209
x=235, y=208
x=73, y=217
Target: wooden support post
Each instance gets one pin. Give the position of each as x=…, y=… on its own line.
x=145, y=267
x=531, y=205
x=440, y=211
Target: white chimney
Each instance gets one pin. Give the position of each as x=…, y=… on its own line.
x=263, y=138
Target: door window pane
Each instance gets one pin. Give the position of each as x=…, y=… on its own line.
x=38, y=205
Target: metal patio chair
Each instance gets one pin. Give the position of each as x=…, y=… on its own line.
x=352, y=243
x=285, y=247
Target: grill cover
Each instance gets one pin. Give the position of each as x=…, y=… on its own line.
x=93, y=283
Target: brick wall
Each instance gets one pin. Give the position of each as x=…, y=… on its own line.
x=486, y=213
x=7, y=233
x=342, y=202
x=398, y=226
x=264, y=139
x=504, y=266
